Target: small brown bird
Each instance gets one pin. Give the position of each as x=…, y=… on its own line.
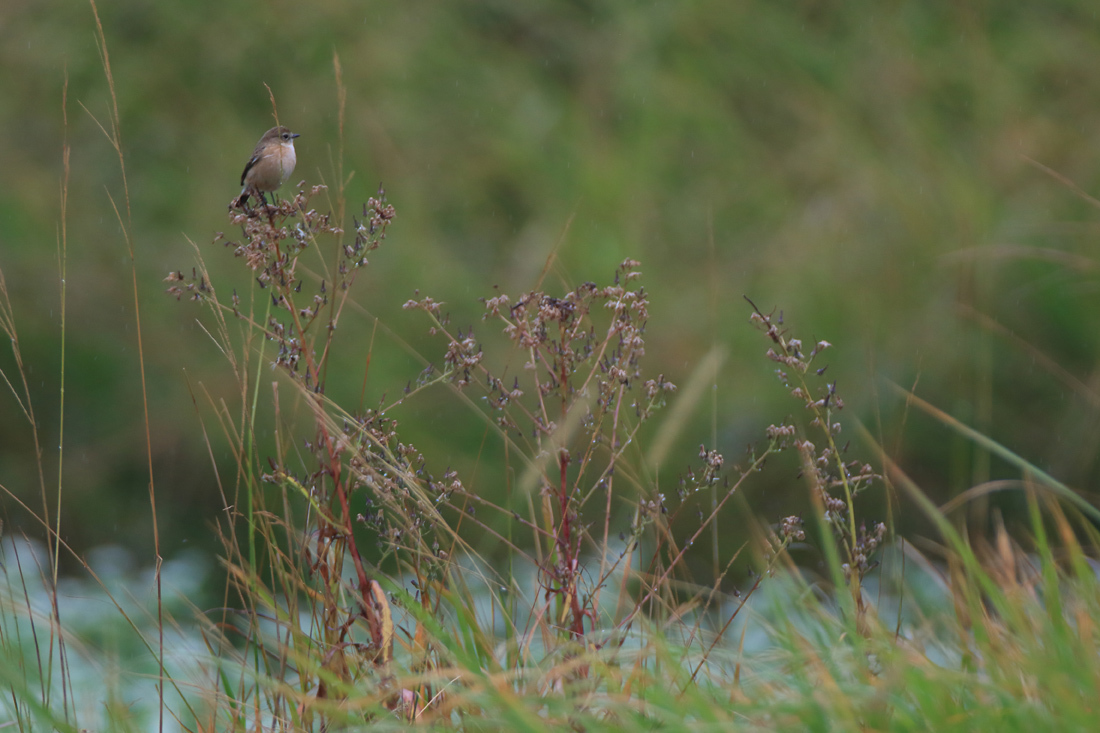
x=271, y=164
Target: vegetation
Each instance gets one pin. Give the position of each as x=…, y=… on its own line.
x=470, y=509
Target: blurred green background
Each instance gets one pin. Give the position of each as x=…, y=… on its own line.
x=864, y=166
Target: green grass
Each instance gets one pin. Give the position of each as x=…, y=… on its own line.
x=441, y=498
x=359, y=595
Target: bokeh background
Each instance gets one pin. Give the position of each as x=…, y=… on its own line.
x=907, y=180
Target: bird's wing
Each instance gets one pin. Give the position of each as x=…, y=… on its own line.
x=252, y=161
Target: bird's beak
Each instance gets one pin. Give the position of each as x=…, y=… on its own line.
x=294, y=134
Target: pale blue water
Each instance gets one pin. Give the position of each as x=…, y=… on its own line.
x=111, y=638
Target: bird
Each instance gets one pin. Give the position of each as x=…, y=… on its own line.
x=271, y=164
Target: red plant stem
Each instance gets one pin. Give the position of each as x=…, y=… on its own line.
x=565, y=549
x=334, y=470
x=366, y=603
x=565, y=532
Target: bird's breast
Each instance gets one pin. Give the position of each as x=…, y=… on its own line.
x=287, y=160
